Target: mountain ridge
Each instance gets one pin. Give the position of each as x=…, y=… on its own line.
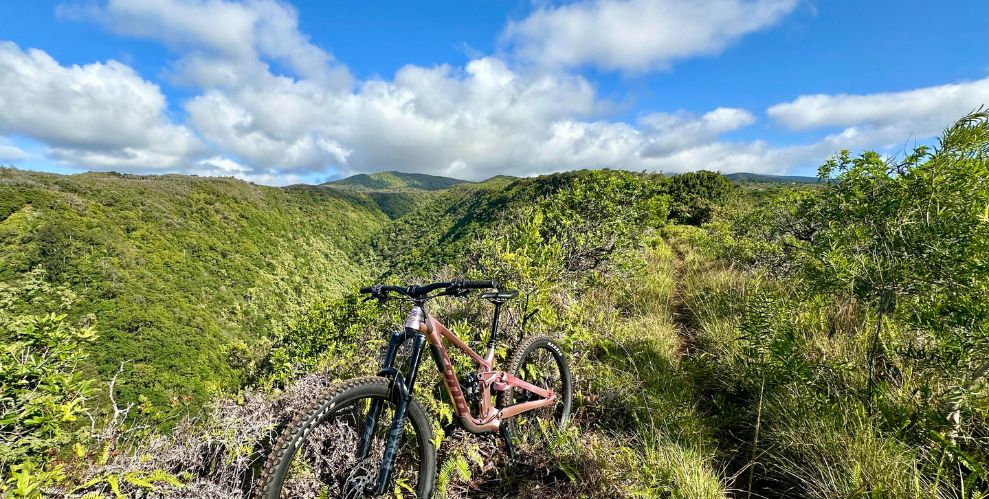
x=397, y=180
x=771, y=179
x=392, y=179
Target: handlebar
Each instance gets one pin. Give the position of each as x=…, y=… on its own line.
x=422, y=291
x=479, y=284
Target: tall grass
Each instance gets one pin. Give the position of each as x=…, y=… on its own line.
x=809, y=353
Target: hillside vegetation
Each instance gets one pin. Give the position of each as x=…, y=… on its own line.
x=747, y=340
x=188, y=277
x=398, y=180
x=396, y=193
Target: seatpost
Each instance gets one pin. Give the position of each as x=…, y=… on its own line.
x=494, y=328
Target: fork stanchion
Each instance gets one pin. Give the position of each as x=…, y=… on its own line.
x=398, y=423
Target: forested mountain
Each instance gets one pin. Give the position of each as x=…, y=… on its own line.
x=188, y=277
x=398, y=180
x=193, y=278
x=771, y=179
x=396, y=193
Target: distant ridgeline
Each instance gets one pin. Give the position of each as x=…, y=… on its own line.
x=771, y=179
x=398, y=180
x=191, y=279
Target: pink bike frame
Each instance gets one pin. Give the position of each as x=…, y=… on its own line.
x=492, y=381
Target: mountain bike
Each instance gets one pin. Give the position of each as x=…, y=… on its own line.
x=369, y=436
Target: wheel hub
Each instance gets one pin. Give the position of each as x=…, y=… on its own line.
x=361, y=480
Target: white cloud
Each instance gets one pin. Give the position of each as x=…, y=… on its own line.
x=674, y=132
x=225, y=43
x=9, y=151
x=483, y=119
x=273, y=127
x=682, y=141
x=922, y=112
x=637, y=35
x=101, y=115
x=755, y=157
x=889, y=122
x=220, y=166
x=472, y=121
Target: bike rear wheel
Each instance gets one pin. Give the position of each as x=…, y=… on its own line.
x=540, y=361
x=316, y=455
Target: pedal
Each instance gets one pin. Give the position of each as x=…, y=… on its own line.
x=508, y=443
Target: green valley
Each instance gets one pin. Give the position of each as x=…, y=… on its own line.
x=189, y=277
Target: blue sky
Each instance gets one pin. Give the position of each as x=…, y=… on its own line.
x=278, y=92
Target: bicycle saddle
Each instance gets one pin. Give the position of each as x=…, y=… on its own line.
x=499, y=296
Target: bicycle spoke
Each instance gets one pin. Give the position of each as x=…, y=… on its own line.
x=327, y=464
x=541, y=369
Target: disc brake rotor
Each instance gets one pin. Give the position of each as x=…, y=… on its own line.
x=361, y=480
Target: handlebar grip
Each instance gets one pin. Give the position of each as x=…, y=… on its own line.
x=479, y=284
x=365, y=289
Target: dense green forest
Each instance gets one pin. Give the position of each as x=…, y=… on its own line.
x=187, y=276
x=748, y=339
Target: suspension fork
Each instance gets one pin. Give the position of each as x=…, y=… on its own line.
x=400, y=391
x=404, y=395
x=374, y=411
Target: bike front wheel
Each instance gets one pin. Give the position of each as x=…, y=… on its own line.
x=335, y=447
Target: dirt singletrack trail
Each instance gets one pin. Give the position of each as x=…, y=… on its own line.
x=682, y=316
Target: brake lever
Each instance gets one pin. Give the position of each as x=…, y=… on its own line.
x=378, y=294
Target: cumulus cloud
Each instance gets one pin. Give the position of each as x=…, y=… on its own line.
x=637, y=35
x=682, y=141
x=276, y=125
x=887, y=121
x=924, y=111
x=753, y=156
x=473, y=121
x=9, y=151
x=220, y=166
x=101, y=115
x=482, y=120
x=225, y=43
x=679, y=131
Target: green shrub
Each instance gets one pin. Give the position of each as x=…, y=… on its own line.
x=42, y=392
x=694, y=196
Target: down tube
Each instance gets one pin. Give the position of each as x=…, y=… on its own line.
x=443, y=364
